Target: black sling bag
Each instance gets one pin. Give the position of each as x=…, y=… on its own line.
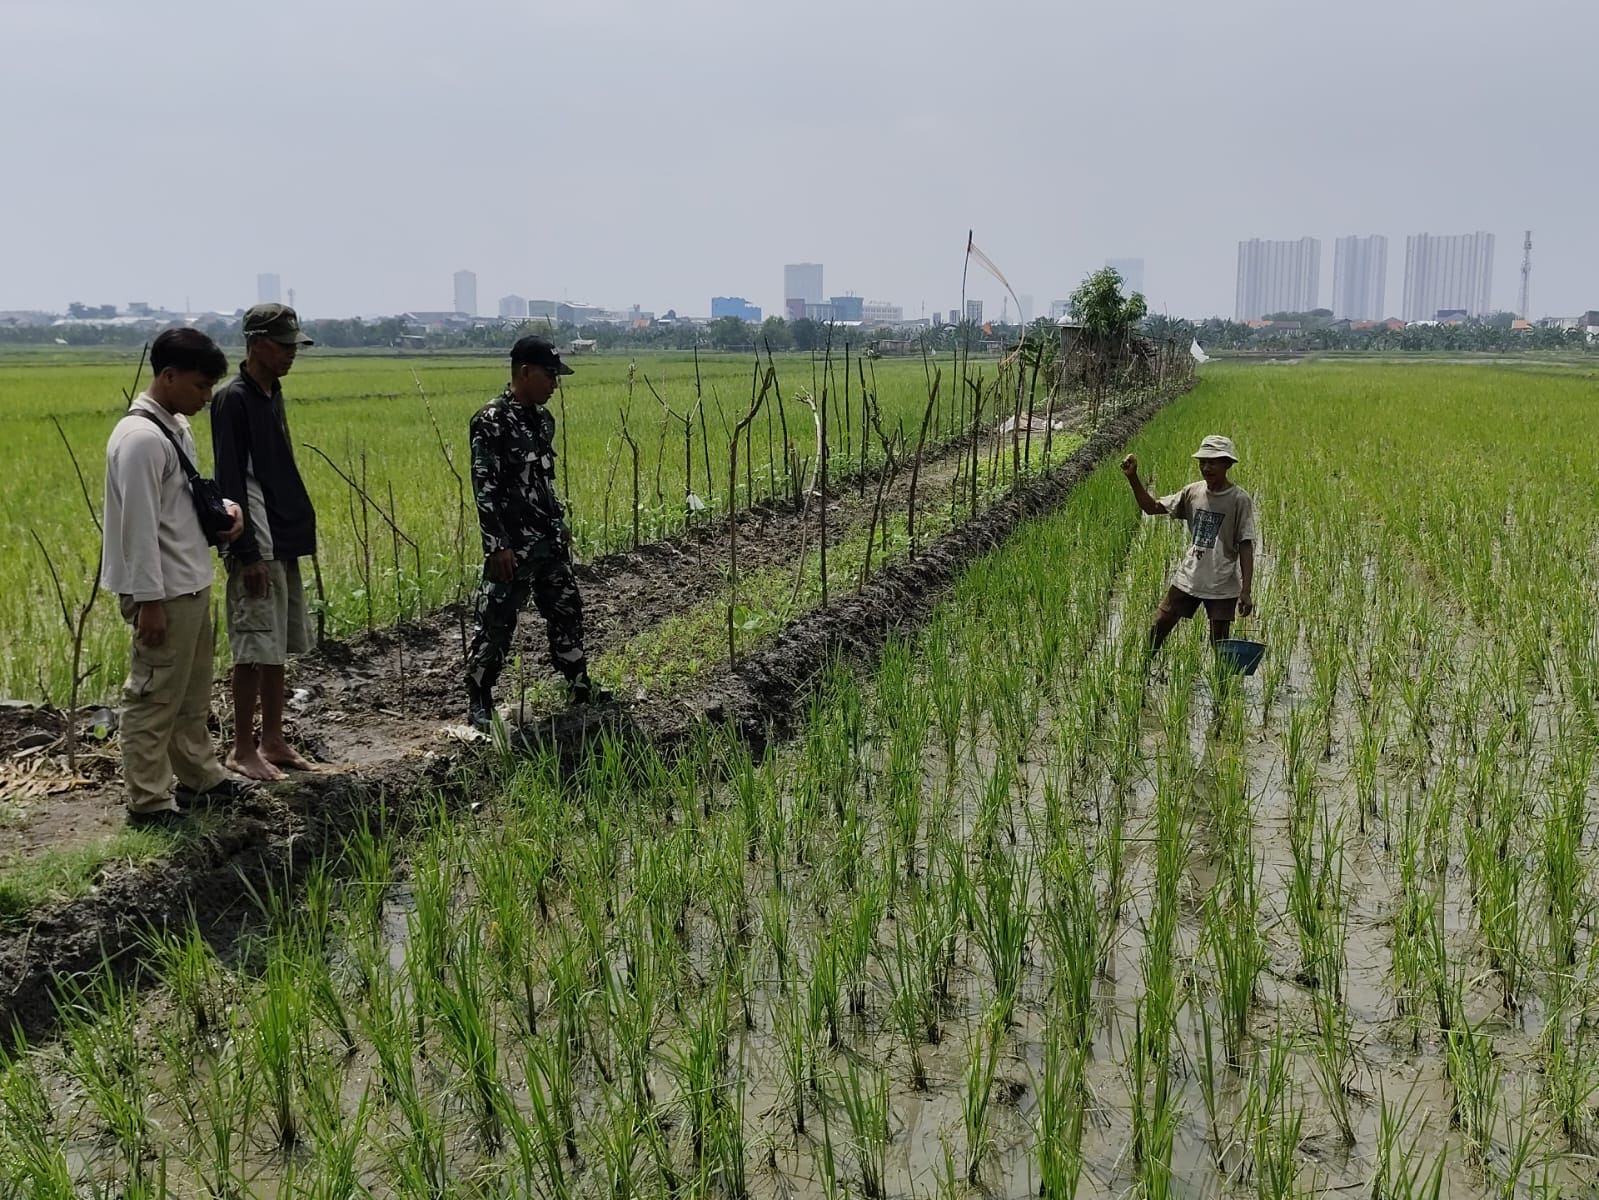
x=215, y=519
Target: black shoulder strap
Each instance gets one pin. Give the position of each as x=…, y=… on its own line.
x=183, y=459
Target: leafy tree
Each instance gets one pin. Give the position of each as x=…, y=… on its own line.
x=776, y=334
x=1100, y=308
x=807, y=334
x=730, y=333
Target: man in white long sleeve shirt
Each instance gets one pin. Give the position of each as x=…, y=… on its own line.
x=156, y=560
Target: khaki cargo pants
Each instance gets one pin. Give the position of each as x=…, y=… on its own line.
x=165, y=702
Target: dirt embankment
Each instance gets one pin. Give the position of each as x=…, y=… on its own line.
x=379, y=708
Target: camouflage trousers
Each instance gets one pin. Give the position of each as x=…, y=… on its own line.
x=545, y=574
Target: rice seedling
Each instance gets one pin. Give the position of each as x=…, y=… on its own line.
x=1276, y=1151
x=1062, y=1105
x=192, y=975
x=982, y=1062
x=33, y=1151
x=1237, y=950
x=1569, y=903
x=1072, y=928
x=700, y=1058
x=1002, y=922
x=1398, y=1173
x=468, y=1031
x=1571, y=1075
x=1474, y=1074
x=864, y=1096
x=279, y=1037
x=1333, y=1063
x=104, y=1059
x=544, y=1139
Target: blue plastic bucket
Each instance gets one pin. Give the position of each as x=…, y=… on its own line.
x=1240, y=654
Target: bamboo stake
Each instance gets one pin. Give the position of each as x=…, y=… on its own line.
x=732, y=521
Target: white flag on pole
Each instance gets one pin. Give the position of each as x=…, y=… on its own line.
x=1199, y=354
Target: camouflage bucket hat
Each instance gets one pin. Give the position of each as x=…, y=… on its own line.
x=275, y=322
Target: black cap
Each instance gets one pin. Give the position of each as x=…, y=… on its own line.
x=538, y=352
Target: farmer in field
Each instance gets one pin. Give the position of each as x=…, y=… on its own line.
x=526, y=545
x=155, y=559
x=1218, y=568
x=266, y=599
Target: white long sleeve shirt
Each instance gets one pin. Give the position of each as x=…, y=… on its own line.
x=153, y=547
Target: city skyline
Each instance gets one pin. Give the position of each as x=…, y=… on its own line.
x=1461, y=264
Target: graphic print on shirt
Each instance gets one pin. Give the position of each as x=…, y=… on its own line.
x=1207, y=524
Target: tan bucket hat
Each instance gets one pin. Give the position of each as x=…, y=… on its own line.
x=1216, y=446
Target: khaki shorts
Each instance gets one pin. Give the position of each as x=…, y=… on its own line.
x=1181, y=605
x=264, y=631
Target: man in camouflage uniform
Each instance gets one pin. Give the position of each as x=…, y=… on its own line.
x=526, y=545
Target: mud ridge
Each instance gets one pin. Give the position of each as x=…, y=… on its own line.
x=271, y=843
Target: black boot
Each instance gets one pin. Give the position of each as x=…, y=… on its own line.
x=580, y=689
x=479, y=707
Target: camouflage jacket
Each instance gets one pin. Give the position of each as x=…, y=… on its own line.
x=513, y=476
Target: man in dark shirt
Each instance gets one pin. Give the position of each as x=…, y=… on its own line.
x=526, y=545
x=267, y=619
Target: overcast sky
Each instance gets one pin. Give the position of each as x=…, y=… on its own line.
x=623, y=152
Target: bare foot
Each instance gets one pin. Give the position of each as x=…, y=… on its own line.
x=251, y=765
x=281, y=754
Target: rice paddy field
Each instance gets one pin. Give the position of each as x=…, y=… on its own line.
x=397, y=428
x=1017, y=913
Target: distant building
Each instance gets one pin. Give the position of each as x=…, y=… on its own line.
x=268, y=289
x=954, y=316
x=794, y=308
x=466, y=293
x=542, y=310
x=735, y=306
x=1360, y=277
x=1059, y=309
x=880, y=312
x=1448, y=272
x=139, y=308
x=1277, y=277
x=802, y=281
x=580, y=314
x=847, y=308
x=513, y=306
x=434, y=322
x=1132, y=272
x=818, y=312
x=1026, y=301
x=974, y=311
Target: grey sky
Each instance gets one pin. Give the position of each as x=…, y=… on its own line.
x=655, y=153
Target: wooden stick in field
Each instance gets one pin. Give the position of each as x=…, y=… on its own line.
x=732, y=518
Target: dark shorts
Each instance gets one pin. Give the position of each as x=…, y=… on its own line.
x=1180, y=604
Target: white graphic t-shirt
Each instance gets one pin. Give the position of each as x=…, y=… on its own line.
x=1218, y=523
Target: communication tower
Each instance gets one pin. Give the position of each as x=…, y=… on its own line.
x=1526, y=272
